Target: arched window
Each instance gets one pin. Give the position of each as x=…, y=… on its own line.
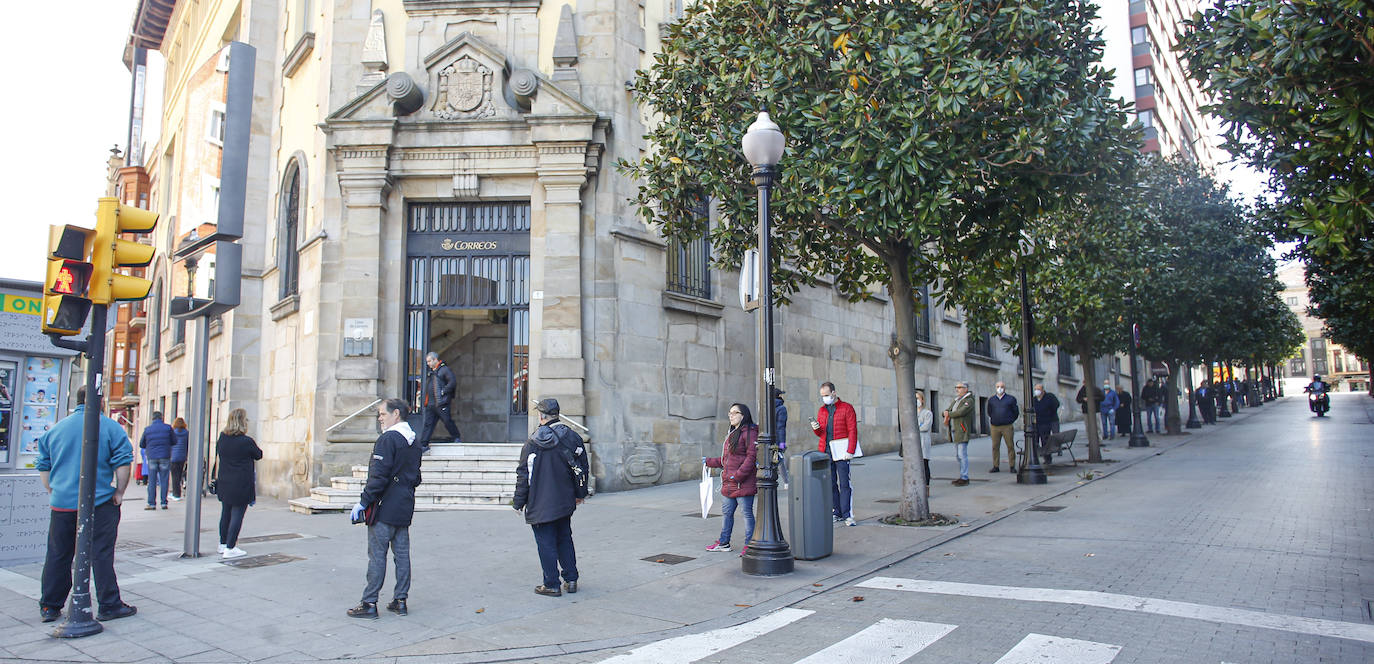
x=155, y=322
x=288, y=258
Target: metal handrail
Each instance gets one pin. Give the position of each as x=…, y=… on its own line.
x=353, y=415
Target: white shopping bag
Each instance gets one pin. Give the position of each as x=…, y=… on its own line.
x=708, y=490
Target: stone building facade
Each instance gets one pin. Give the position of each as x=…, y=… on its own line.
x=440, y=175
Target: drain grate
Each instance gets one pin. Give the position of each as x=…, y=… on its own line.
x=1045, y=508
x=888, y=500
x=261, y=561
x=668, y=558
x=698, y=515
x=144, y=553
x=270, y=538
x=130, y=545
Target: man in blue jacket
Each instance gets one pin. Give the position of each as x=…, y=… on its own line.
x=59, y=466
x=157, y=443
x=1002, y=414
x=550, y=483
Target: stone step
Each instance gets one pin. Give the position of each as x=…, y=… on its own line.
x=457, y=473
x=355, y=484
x=479, y=450
x=346, y=498
x=311, y=506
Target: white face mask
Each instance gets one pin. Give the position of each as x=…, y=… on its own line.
x=1039, y=393
x=828, y=400
x=1001, y=391
x=1106, y=387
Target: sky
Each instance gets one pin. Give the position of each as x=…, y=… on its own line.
x=68, y=107
x=66, y=120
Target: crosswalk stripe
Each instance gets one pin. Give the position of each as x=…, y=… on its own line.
x=886, y=641
x=1039, y=649
x=692, y=647
x=1163, y=607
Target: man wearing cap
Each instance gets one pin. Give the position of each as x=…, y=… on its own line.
x=959, y=419
x=550, y=483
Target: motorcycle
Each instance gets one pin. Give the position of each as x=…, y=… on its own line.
x=1318, y=402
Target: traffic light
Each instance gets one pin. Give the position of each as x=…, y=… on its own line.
x=109, y=252
x=65, y=304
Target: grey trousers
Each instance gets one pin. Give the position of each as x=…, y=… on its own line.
x=380, y=537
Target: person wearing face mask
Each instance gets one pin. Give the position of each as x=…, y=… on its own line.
x=923, y=420
x=738, y=477
x=1110, y=402
x=959, y=419
x=838, y=429
x=1046, y=416
x=1002, y=413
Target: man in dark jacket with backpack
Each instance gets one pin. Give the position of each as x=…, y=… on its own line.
x=392, y=475
x=550, y=482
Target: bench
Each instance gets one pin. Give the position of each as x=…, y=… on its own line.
x=1056, y=443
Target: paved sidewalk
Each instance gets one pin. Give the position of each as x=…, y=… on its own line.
x=474, y=573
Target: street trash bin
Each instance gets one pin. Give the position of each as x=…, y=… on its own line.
x=810, y=506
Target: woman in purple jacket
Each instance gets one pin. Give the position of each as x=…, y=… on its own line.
x=737, y=475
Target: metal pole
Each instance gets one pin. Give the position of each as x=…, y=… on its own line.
x=1031, y=472
x=768, y=554
x=1193, y=421
x=79, y=621
x=1137, y=437
x=196, y=450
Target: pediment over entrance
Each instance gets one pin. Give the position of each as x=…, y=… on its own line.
x=468, y=79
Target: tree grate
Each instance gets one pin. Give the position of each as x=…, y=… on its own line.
x=269, y=538
x=888, y=500
x=261, y=561
x=1045, y=508
x=667, y=558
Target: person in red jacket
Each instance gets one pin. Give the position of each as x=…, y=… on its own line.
x=737, y=475
x=838, y=428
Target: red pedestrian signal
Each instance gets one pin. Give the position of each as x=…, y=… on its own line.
x=65, y=305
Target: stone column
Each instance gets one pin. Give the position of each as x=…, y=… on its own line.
x=556, y=271
x=361, y=280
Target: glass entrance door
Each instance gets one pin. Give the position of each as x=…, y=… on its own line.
x=467, y=299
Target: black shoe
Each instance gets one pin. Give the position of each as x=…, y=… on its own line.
x=164, y=506
x=570, y=587
x=550, y=592
x=398, y=607
x=121, y=611
x=364, y=610
x=995, y=469
x=49, y=613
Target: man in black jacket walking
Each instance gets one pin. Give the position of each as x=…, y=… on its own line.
x=550, y=483
x=392, y=476
x=437, y=401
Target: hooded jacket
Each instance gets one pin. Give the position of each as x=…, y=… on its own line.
x=392, y=476
x=544, y=484
x=180, y=444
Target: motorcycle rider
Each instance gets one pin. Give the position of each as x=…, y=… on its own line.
x=1320, y=388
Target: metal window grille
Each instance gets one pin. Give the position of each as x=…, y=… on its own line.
x=289, y=259
x=980, y=344
x=923, y=315
x=1065, y=363
x=689, y=267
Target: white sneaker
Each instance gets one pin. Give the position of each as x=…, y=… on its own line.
x=234, y=553
x=849, y=521
x=176, y=499
x=223, y=548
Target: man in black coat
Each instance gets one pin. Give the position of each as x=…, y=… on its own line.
x=550, y=483
x=392, y=476
x=437, y=401
x=1046, y=416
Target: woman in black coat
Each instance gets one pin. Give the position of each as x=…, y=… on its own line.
x=1123, y=414
x=235, y=480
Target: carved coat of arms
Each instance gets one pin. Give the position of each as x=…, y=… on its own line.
x=464, y=91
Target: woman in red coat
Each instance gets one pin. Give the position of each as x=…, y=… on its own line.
x=737, y=475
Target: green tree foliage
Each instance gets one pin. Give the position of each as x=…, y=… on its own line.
x=1341, y=293
x=921, y=137
x=1295, y=83
x=1085, y=259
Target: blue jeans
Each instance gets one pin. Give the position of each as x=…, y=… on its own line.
x=555, y=542
x=727, y=509
x=380, y=538
x=157, y=471
x=1108, y=423
x=961, y=451
x=841, y=490
x=1152, y=419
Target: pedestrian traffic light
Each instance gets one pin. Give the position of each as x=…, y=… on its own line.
x=109, y=252
x=65, y=304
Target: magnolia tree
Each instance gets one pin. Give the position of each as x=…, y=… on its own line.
x=922, y=136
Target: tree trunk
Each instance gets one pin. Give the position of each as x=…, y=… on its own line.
x=914, y=506
x=1086, y=359
x=1173, y=421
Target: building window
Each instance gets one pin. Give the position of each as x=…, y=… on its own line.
x=155, y=320
x=1319, y=355
x=1142, y=76
x=288, y=256
x=980, y=344
x=1297, y=367
x=1291, y=300
x=1338, y=362
x=689, y=263
x=1065, y=363
x=1146, y=118
x=923, y=315
x=1140, y=35
x=214, y=126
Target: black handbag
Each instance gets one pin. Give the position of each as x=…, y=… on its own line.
x=213, y=485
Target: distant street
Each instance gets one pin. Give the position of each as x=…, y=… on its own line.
x=1266, y=523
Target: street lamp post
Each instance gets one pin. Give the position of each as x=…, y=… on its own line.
x=1031, y=472
x=1193, y=421
x=768, y=554
x=1137, y=438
